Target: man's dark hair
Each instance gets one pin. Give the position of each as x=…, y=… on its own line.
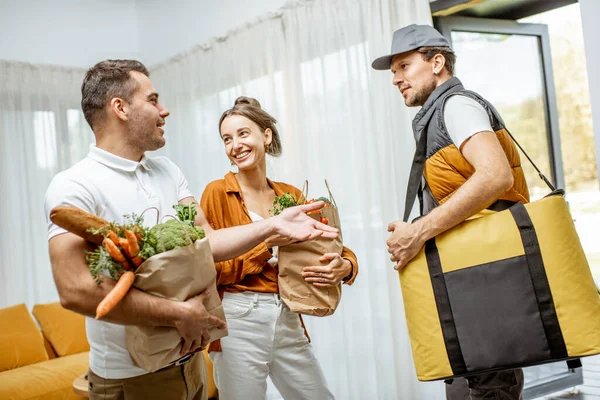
x=103, y=82
x=429, y=52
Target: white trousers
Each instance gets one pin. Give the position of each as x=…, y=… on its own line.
x=265, y=340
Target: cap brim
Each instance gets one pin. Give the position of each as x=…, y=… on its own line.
x=383, y=63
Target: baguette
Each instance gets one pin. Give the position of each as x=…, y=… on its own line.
x=77, y=221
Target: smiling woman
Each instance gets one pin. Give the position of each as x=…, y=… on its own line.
x=278, y=347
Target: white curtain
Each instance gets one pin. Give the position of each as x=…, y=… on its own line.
x=309, y=65
x=42, y=131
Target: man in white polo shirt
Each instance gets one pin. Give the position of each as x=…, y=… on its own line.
x=116, y=178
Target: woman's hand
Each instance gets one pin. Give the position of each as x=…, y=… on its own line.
x=329, y=275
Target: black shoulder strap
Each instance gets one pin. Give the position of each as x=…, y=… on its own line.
x=416, y=170
x=418, y=164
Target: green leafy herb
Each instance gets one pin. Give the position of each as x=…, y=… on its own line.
x=187, y=213
x=282, y=202
x=101, y=262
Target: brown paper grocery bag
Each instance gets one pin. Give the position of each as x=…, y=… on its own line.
x=177, y=274
x=301, y=296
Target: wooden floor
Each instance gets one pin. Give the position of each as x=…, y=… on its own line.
x=590, y=390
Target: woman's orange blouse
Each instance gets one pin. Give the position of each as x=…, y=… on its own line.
x=224, y=207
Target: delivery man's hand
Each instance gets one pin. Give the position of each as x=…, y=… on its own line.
x=404, y=243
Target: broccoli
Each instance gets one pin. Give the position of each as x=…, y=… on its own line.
x=171, y=235
x=325, y=199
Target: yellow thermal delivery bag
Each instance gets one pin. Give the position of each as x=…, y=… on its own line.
x=505, y=290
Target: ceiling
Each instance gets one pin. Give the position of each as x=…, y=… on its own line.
x=500, y=9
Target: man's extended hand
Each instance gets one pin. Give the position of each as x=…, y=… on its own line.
x=404, y=243
x=194, y=328
x=293, y=223
x=279, y=241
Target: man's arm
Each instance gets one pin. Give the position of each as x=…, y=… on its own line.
x=292, y=223
x=491, y=179
x=80, y=293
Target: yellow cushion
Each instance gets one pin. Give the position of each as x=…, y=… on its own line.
x=212, y=388
x=21, y=342
x=48, y=380
x=49, y=350
x=64, y=329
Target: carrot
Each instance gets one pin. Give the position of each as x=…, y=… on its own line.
x=113, y=236
x=116, y=294
x=138, y=232
x=134, y=247
x=115, y=253
x=113, y=250
x=137, y=261
x=125, y=246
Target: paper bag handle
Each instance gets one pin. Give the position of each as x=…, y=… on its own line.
x=330, y=195
x=151, y=208
x=304, y=193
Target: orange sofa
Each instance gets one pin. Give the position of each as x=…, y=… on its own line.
x=41, y=362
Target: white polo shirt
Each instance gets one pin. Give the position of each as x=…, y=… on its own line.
x=110, y=186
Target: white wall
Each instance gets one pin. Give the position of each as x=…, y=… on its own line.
x=590, y=10
x=78, y=33
x=166, y=29
x=74, y=33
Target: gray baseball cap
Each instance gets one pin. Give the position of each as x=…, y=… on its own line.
x=409, y=38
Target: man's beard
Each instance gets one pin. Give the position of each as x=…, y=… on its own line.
x=141, y=135
x=421, y=97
